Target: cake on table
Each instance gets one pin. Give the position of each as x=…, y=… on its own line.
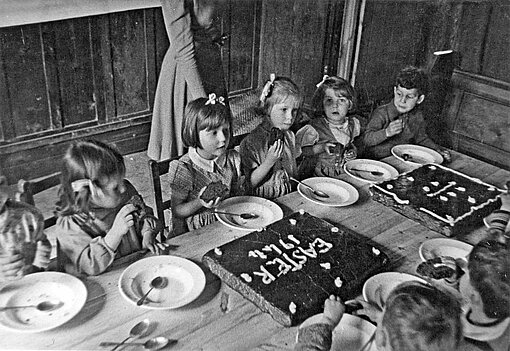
x=440, y=198
x=290, y=267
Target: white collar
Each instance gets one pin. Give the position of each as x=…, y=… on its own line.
x=208, y=165
x=342, y=126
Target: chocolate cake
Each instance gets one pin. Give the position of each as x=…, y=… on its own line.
x=214, y=190
x=276, y=134
x=289, y=268
x=440, y=198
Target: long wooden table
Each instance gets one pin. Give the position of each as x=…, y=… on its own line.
x=206, y=325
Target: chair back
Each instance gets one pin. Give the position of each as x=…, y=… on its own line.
x=157, y=170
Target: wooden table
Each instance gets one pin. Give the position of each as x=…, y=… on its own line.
x=203, y=324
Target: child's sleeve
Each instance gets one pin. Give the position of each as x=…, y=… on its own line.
x=421, y=137
x=180, y=180
x=375, y=132
x=147, y=221
x=315, y=337
x=307, y=136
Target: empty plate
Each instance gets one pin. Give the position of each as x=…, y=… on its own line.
x=378, y=287
x=416, y=154
x=361, y=169
x=184, y=280
x=266, y=211
x=441, y=247
x=340, y=193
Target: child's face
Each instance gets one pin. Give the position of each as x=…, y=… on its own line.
x=110, y=193
x=406, y=99
x=214, y=142
x=335, y=106
x=282, y=115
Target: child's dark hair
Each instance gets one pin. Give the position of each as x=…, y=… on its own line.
x=89, y=160
x=420, y=317
x=204, y=114
x=337, y=84
x=277, y=90
x=489, y=267
x=412, y=77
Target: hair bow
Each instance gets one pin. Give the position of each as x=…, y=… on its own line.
x=79, y=184
x=213, y=99
x=268, y=87
x=322, y=81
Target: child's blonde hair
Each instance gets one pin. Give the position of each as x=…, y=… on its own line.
x=337, y=84
x=419, y=317
x=86, y=160
x=204, y=114
x=277, y=90
x=489, y=273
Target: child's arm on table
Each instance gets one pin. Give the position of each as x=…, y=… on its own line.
x=42, y=254
x=11, y=266
x=273, y=154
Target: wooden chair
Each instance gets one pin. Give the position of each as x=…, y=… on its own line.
x=157, y=170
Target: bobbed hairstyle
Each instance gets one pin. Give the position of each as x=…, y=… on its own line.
x=412, y=77
x=338, y=85
x=202, y=114
x=489, y=273
x=87, y=159
x=419, y=317
x=277, y=91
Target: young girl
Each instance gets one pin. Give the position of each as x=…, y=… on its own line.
x=268, y=166
x=328, y=141
x=97, y=221
x=206, y=133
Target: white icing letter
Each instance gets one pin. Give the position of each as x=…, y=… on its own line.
x=267, y=278
x=291, y=237
x=296, y=265
x=283, y=267
x=321, y=243
x=286, y=246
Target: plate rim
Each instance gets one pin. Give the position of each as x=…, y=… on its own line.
x=80, y=298
x=389, y=167
x=448, y=240
x=438, y=158
x=246, y=198
x=349, y=187
x=365, y=285
x=169, y=258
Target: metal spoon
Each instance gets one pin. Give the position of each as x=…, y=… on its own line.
x=374, y=173
x=315, y=191
x=242, y=215
x=138, y=330
x=45, y=306
x=156, y=283
x=151, y=344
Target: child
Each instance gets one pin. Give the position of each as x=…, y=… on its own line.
x=97, y=218
x=24, y=248
x=416, y=317
x=327, y=142
x=401, y=121
x=268, y=166
x=207, y=132
x=485, y=288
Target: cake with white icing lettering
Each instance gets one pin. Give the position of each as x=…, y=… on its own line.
x=291, y=267
x=440, y=198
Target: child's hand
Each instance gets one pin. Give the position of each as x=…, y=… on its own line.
x=350, y=155
x=149, y=242
x=325, y=147
x=11, y=266
x=333, y=310
x=274, y=153
x=209, y=204
x=395, y=127
x=446, y=156
x=370, y=310
x=123, y=221
x=42, y=255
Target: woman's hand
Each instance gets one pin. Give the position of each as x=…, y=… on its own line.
x=11, y=266
x=204, y=12
x=333, y=310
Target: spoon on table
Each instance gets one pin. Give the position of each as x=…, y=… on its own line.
x=242, y=215
x=374, y=173
x=151, y=344
x=156, y=283
x=315, y=191
x=45, y=306
x=138, y=330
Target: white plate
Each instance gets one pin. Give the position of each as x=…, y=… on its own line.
x=340, y=193
x=388, y=171
x=185, y=281
x=267, y=212
x=444, y=247
x=386, y=282
x=350, y=334
x=35, y=288
x=419, y=154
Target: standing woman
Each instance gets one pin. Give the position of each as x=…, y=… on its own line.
x=186, y=72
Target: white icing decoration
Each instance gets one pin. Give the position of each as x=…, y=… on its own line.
x=450, y=218
x=246, y=277
x=218, y=252
x=338, y=282
x=376, y=251
x=389, y=186
x=471, y=200
x=410, y=178
x=426, y=189
x=325, y=265
x=451, y=193
x=334, y=230
x=432, y=167
x=460, y=188
x=443, y=198
x=292, y=308
x=292, y=221
x=435, y=183
x=301, y=211
x=491, y=188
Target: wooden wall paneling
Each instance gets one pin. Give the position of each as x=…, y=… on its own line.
x=25, y=81
x=6, y=127
x=102, y=81
x=496, y=56
x=150, y=47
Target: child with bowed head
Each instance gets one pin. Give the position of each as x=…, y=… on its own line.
x=24, y=248
x=401, y=121
x=101, y=216
x=327, y=142
x=269, y=152
x=416, y=317
x=209, y=172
